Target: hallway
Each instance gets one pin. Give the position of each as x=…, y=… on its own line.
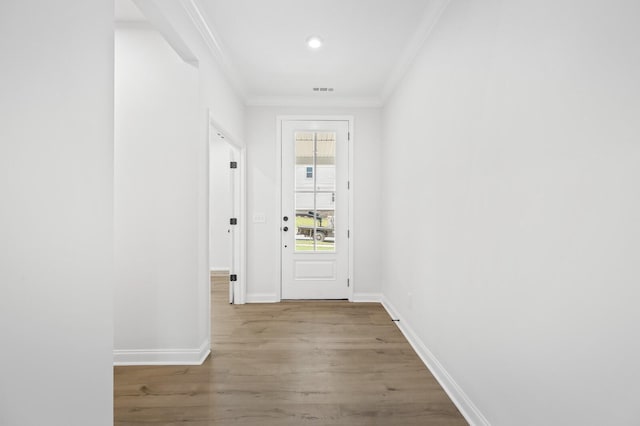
x=494, y=160
x=292, y=363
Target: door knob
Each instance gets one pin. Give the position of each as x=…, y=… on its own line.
x=286, y=218
x=285, y=229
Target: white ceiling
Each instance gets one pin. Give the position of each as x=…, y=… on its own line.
x=367, y=42
x=261, y=45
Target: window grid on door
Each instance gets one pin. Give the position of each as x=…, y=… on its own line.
x=315, y=191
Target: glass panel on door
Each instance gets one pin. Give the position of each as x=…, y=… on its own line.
x=315, y=191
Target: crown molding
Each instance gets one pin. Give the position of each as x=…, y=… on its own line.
x=194, y=12
x=427, y=24
x=313, y=101
x=212, y=41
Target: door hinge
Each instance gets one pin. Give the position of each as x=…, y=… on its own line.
x=348, y=233
x=348, y=184
x=233, y=277
x=348, y=282
x=233, y=164
x=233, y=221
x=348, y=136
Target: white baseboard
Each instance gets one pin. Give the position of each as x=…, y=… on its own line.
x=261, y=298
x=194, y=356
x=470, y=412
x=367, y=297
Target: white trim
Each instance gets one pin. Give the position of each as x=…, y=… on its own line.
x=242, y=229
x=278, y=280
x=350, y=119
x=467, y=408
x=212, y=41
x=195, y=356
x=242, y=214
x=367, y=297
x=427, y=24
x=315, y=101
x=207, y=208
x=262, y=298
x=214, y=270
x=352, y=223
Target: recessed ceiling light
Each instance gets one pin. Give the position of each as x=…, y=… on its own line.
x=314, y=42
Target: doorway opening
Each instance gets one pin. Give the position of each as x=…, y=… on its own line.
x=316, y=200
x=226, y=211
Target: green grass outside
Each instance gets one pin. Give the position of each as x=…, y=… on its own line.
x=307, y=245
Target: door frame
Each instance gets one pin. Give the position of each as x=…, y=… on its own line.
x=350, y=120
x=240, y=249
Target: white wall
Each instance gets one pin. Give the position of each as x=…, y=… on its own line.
x=511, y=153
x=220, y=189
x=157, y=150
x=218, y=99
x=216, y=92
x=56, y=165
x=263, y=239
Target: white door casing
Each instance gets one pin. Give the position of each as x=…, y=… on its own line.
x=236, y=206
x=234, y=215
x=314, y=222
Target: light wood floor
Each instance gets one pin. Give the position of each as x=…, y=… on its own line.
x=291, y=363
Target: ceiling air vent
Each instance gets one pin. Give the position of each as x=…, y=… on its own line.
x=323, y=89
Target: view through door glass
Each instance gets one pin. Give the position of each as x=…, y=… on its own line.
x=315, y=191
x=315, y=210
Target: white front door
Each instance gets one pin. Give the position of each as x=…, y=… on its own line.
x=315, y=210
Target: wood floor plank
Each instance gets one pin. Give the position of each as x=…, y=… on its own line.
x=292, y=363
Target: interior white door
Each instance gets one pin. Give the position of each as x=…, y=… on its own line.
x=315, y=210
